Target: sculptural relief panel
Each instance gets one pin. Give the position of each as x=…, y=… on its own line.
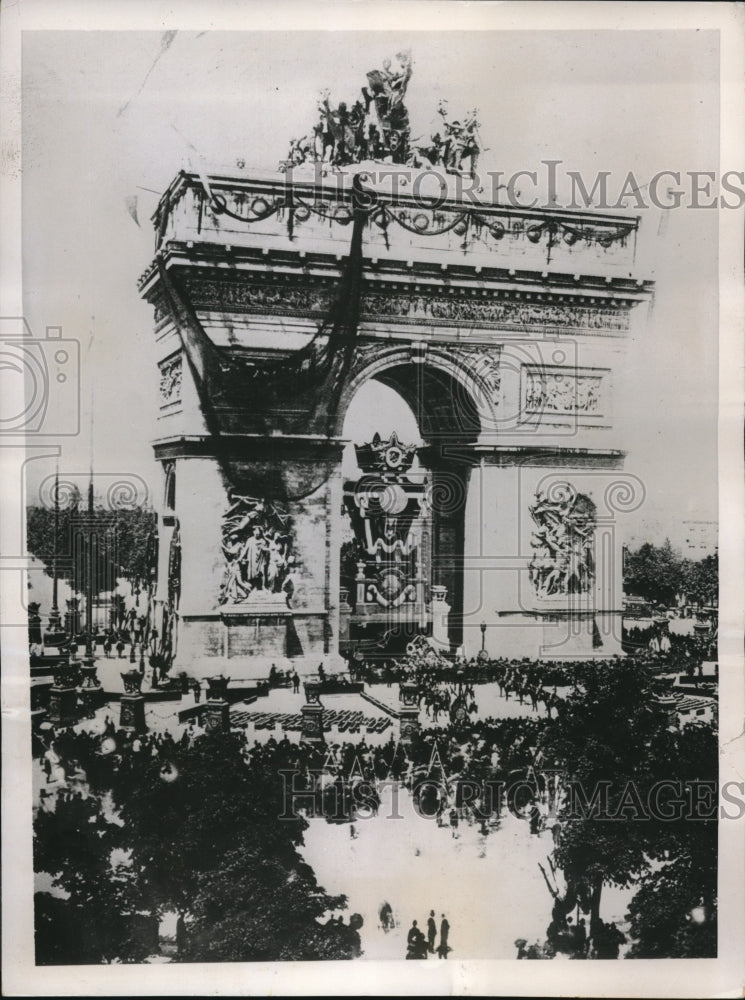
x=170, y=380
x=258, y=550
x=563, y=542
x=557, y=392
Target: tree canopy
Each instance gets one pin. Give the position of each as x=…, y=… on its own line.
x=658, y=573
x=198, y=833
x=125, y=544
x=619, y=823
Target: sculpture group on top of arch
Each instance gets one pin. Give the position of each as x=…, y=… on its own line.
x=563, y=542
x=377, y=128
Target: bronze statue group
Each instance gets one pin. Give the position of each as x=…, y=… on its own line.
x=377, y=128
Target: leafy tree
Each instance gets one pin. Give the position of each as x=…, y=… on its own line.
x=210, y=844
x=700, y=579
x=601, y=741
x=198, y=831
x=92, y=919
x=659, y=574
x=611, y=735
x=252, y=909
x=674, y=912
x=654, y=573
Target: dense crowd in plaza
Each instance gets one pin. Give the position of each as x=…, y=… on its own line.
x=457, y=772
x=491, y=750
x=79, y=767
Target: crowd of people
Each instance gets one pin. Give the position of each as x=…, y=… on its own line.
x=675, y=652
x=434, y=766
x=570, y=937
x=437, y=762
x=442, y=685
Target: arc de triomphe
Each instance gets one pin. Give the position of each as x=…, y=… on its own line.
x=276, y=297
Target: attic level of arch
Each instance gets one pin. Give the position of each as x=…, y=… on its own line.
x=289, y=207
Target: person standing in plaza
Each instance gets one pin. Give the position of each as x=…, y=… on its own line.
x=431, y=931
x=411, y=939
x=295, y=681
x=443, y=947
x=180, y=935
x=454, y=823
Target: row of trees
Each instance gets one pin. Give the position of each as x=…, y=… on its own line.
x=125, y=544
x=658, y=573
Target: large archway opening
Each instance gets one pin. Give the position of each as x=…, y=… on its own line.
x=410, y=430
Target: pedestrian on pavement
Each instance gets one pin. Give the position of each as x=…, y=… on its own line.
x=454, y=823
x=431, y=932
x=416, y=946
x=443, y=948
x=180, y=935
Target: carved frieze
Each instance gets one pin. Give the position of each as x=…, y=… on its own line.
x=493, y=310
x=567, y=392
x=240, y=296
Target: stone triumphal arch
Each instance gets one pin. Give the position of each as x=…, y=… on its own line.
x=276, y=297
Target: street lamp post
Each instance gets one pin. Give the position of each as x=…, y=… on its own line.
x=55, y=622
x=483, y=656
x=89, y=580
